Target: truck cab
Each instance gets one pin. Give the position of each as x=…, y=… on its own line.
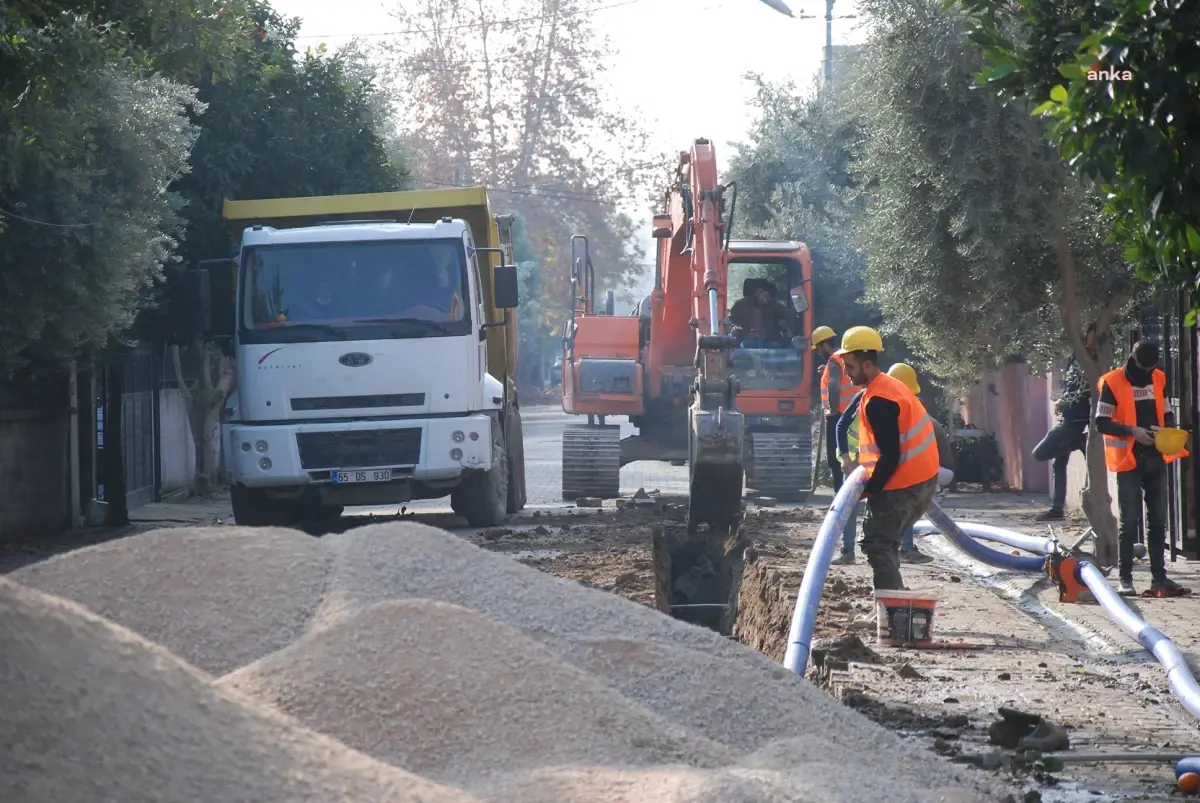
x=367, y=369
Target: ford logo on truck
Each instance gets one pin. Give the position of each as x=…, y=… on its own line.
x=355, y=359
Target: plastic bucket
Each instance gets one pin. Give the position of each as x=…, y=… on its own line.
x=904, y=618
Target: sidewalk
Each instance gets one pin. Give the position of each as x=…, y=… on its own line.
x=191, y=512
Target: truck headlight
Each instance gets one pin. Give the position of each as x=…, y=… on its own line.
x=245, y=446
x=456, y=454
x=265, y=463
x=458, y=436
x=474, y=436
x=260, y=446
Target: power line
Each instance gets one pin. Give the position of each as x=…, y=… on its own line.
x=511, y=21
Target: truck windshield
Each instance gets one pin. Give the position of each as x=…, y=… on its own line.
x=354, y=291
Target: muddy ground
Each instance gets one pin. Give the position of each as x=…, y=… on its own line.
x=992, y=653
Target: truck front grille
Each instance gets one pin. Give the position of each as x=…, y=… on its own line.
x=369, y=448
x=352, y=402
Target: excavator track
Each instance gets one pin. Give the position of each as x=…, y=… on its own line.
x=782, y=465
x=591, y=461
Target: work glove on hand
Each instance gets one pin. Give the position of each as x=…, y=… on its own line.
x=1142, y=436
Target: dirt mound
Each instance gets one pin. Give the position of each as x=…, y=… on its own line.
x=218, y=598
x=92, y=712
x=446, y=693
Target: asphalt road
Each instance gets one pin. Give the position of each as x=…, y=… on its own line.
x=543, y=467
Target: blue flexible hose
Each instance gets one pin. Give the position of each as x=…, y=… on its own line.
x=992, y=557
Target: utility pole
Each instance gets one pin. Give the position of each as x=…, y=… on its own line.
x=828, y=43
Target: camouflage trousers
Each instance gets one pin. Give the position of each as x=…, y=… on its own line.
x=890, y=515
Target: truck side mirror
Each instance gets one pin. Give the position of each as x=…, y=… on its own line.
x=504, y=286
x=200, y=288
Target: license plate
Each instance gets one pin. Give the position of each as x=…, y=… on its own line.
x=376, y=475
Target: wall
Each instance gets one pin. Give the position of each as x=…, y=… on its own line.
x=1013, y=406
x=35, y=468
x=177, y=450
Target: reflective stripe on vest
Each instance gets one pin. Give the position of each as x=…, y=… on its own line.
x=919, y=460
x=846, y=388
x=1118, y=451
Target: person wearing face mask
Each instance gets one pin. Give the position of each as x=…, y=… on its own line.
x=1132, y=405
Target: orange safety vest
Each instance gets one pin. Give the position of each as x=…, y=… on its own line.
x=918, y=443
x=1118, y=452
x=846, y=388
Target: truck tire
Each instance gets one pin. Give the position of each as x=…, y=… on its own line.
x=253, y=508
x=482, y=498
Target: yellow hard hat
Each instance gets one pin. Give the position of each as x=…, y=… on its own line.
x=821, y=334
x=861, y=338
x=1170, y=440
x=905, y=373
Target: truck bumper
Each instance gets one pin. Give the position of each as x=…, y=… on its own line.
x=290, y=455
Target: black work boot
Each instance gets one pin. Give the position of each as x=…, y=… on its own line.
x=1051, y=515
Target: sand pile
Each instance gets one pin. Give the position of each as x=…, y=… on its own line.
x=218, y=598
x=449, y=694
x=91, y=713
x=523, y=688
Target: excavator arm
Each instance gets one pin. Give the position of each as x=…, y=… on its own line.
x=716, y=429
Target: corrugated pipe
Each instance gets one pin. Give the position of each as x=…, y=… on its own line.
x=808, y=601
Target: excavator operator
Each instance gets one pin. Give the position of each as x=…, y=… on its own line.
x=760, y=320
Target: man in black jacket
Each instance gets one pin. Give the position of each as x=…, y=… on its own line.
x=1144, y=476
x=1069, y=435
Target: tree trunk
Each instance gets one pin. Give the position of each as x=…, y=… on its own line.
x=1097, y=502
x=205, y=400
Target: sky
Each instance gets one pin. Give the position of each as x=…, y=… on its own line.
x=679, y=63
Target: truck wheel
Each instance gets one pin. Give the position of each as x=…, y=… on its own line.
x=253, y=508
x=482, y=498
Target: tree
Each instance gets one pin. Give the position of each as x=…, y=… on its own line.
x=976, y=233
x=89, y=146
x=509, y=95
x=1118, y=83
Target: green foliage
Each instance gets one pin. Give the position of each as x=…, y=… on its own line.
x=966, y=204
x=1135, y=133
x=89, y=146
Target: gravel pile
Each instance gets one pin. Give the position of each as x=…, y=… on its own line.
x=91, y=713
x=473, y=671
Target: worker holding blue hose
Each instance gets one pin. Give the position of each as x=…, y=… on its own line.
x=847, y=440
x=897, y=447
x=1132, y=405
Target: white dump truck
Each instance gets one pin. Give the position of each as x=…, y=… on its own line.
x=375, y=351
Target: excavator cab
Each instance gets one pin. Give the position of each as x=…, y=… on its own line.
x=775, y=391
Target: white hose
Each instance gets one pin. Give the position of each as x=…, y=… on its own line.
x=1179, y=676
x=1029, y=543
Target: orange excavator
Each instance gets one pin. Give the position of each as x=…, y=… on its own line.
x=724, y=387
x=698, y=390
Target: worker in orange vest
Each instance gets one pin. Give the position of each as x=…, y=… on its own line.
x=1132, y=406
x=898, y=447
x=836, y=392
